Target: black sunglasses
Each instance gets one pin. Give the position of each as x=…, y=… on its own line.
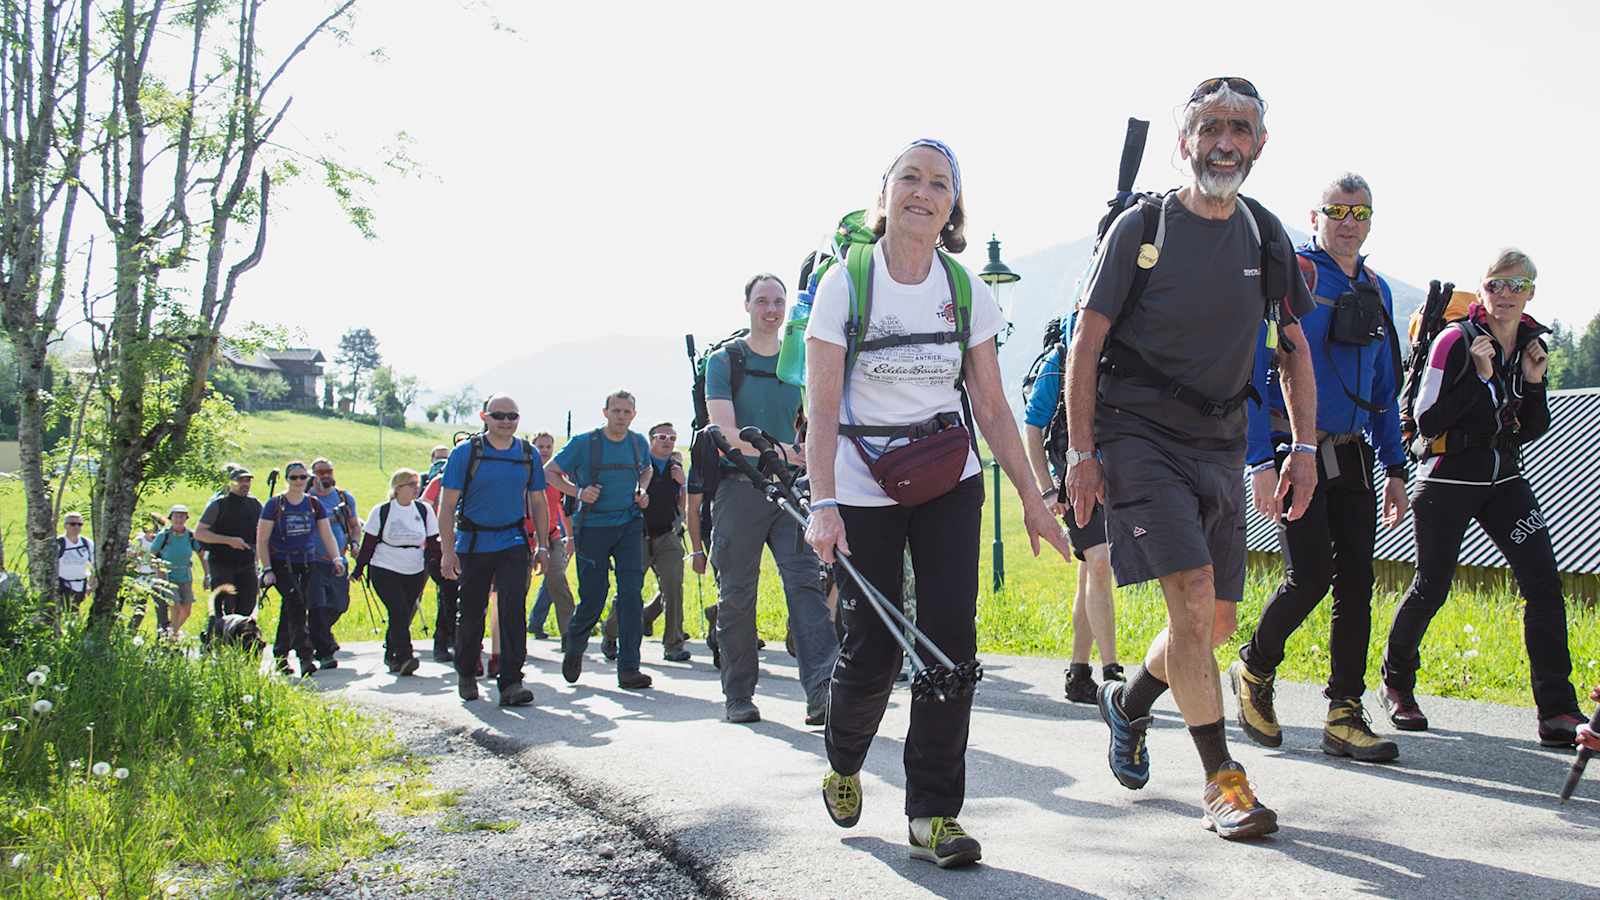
x=301, y=477
x=504, y=416
x=1212, y=85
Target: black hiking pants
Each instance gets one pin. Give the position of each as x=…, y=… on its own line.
x=294, y=582
x=400, y=594
x=1510, y=516
x=1329, y=546
x=444, y=627
x=242, y=575
x=943, y=537
x=506, y=572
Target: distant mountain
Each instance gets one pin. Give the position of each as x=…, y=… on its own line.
x=577, y=376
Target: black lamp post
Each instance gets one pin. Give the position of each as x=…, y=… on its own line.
x=997, y=273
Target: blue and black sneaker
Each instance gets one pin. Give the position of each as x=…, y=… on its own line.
x=1130, y=762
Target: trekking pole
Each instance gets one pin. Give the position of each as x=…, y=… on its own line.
x=1581, y=763
x=371, y=613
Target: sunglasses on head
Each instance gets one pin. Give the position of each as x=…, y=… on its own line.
x=504, y=416
x=1212, y=85
x=1518, y=285
x=1341, y=211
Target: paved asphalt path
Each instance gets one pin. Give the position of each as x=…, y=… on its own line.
x=1468, y=811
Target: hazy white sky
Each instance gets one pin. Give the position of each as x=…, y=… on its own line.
x=622, y=168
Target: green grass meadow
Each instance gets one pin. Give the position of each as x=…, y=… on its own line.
x=1473, y=650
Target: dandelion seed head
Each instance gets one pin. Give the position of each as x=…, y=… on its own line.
x=43, y=707
x=101, y=769
x=248, y=698
x=248, y=724
x=19, y=860
x=37, y=678
x=120, y=774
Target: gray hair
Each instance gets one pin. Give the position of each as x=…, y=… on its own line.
x=1511, y=258
x=1349, y=183
x=1224, y=97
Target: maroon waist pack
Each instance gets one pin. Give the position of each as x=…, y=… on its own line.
x=926, y=468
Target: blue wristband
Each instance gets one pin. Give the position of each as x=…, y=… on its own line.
x=1308, y=449
x=828, y=503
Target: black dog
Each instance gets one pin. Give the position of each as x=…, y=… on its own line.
x=231, y=629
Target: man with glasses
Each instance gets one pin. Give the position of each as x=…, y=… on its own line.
x=1355, y=354
x=74, y=561
x=608, y=470
x=742, y=389
x=228, y=529
x=492, y=483
x=333, y=591
x=1159, y=372
x=663, y=547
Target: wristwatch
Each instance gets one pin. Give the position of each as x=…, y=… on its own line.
x=1074, y=457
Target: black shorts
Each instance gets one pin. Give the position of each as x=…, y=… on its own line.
x=1089, y=536
x=1166, y=513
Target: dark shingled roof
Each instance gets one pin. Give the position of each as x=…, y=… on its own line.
x=1564, y=469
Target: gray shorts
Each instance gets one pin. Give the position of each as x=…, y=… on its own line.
x=1166, y=513
x=182, y=592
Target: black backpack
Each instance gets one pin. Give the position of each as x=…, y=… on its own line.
x=475, y=458
x=383, y=523
x=1055, y=431
x=736, y=371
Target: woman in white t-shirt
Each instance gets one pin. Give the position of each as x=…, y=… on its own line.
x=909, y=356
x=400, y=537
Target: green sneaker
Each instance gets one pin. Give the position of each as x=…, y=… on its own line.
x=841, y=794
x=947, y=843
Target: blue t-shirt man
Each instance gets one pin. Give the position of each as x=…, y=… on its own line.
x=340, y=504
x=621, y=461
x=763, y=400
x=294, y=534
x=177, y=551
x=496, y=501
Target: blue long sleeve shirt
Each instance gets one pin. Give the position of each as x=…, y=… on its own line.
x=1367, y=372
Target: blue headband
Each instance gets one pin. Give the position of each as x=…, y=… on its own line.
x=942, y=147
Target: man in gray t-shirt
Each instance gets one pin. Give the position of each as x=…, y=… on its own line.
x=1173, y=366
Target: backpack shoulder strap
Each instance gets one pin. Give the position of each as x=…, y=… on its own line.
x=474, y=459
x=961, y=294
x=61, y=546
x=595, y=449
x=736, y=366
x=1308, y=271
x=858, y=278
x=383, y=518
x=1153, y=218
x=161, y=542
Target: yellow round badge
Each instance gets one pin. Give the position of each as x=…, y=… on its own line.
x=1148, y=254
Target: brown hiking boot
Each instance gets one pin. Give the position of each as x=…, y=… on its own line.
x=1401, y=707
x=1232, y=810
x=1256, y=715
x=1349, y=734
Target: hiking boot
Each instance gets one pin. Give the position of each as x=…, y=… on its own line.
x=516, y=695
x=788, y=644
x=572, y=665
x=1129, y=759
x=393, y=666
x=634, y=680
x=1560, y=731
x=308, y=668
x=494, y=664
x=1401, y=707
x=608, y=648
x=841, y=795
x=676, y=656
x=1349, y=734
x=409, y=666
x=1254, y=693
x=1112, y=672
x=817, y=706
x=946, y=844
x=327, y=662
x=741, y=712
x=649, y=628
x=477, y=670
x=1080, y=686
x=466, y=688
x=1232, y=810
x=443, y=656
x=538, y=634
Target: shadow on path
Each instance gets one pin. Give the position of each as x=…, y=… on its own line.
x=981, y=880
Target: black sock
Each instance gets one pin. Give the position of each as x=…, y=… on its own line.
x=1212, y=742
x=1141, y=693
x=1080, y=670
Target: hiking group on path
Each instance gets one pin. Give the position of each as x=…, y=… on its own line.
x=1203, y=350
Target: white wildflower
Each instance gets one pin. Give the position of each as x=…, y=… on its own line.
x=248, y=724
x=43, y=707
x=60, y=688
x=1470, y=654
x=75, y=764
x=120, y=774
x=101, y=769
x=238, y=772
x=19, y=860
x=1468, y=628
x=9, y=726
x=248, y=698
x=37, y=678
x=138, y=640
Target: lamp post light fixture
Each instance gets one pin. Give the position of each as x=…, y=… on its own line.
x=996, y=273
